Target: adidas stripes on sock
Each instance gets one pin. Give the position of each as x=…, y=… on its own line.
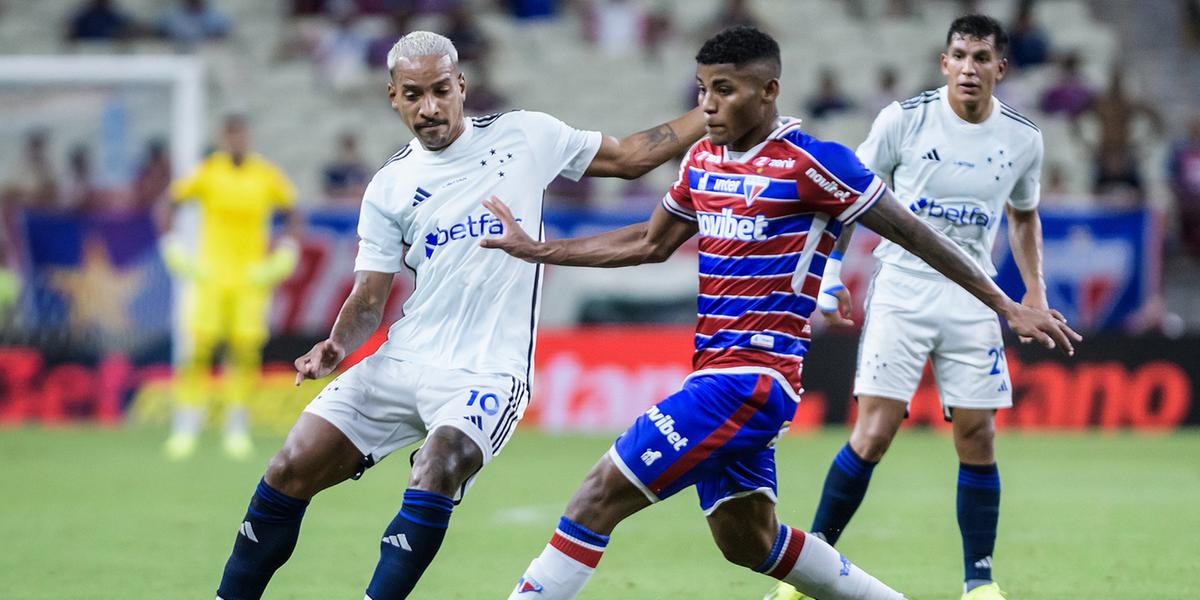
x=409, y=544
x=265, y=541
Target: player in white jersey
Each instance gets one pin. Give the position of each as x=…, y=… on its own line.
x=958, y=158
x=456, y=369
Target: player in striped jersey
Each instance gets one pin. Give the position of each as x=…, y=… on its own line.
x=769, y=202
x=959, y=159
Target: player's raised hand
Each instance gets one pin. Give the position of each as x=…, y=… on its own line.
x=1047, y=327
x=320, y=361
x=514, y=240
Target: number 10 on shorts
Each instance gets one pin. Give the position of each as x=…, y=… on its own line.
x=488, y=402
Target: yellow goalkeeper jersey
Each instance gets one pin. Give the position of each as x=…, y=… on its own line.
x=236, y=204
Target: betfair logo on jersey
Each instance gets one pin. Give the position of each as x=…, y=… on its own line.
x=834, y=188
x=958, y=215
x=728, y=226
x=666, y=425
x=473, y=227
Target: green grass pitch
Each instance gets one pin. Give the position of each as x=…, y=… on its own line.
x=89, y=513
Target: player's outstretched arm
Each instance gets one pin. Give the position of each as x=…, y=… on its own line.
x=890, y=219
x=650, y=241
x=360, y=316
x=635, y=155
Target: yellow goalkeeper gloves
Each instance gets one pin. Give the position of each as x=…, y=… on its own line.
x=278, y=265
x=179, y=260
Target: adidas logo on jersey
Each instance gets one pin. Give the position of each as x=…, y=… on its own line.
x=727, y=226
x=932, y=155
x=666, y=425
x=420, y=196
x=824, y=183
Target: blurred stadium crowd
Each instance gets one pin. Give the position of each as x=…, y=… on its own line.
x=1112, y=84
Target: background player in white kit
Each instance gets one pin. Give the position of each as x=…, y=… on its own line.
x=958, y=157
x=456, y=369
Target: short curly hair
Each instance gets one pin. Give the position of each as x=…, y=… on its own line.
x=738, y=46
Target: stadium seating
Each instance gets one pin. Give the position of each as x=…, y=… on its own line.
x=613, y=93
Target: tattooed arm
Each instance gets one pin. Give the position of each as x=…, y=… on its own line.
x=635, y=155
x=360, y=316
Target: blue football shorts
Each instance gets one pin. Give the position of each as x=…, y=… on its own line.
x=717, y=433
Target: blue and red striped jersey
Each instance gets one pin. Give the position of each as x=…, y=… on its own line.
x=768, y=218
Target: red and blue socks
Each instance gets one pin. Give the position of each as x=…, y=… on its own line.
x=812, y=566
x=564, y=566
x=409, y=544
x=845, y=486
x=978, y=514
x=264, y=542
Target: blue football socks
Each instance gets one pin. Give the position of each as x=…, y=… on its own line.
x=845, y=487
x=409, y=544
x=264, y=542
x=978, y=513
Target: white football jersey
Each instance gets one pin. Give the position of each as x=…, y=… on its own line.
x=954, y=174
x=473, y=308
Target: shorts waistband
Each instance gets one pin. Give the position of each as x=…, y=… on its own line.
x=920, y=274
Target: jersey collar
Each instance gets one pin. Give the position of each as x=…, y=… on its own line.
x=456, y=147
x=786, y=126
x=944, y=94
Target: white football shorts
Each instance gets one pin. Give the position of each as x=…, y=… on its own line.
x=383, y=404
x=911, y=317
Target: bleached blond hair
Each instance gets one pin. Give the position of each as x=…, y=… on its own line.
x=421, y=43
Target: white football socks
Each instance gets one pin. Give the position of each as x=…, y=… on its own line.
x=822, y=572
x=564, y=566
x=552, y=576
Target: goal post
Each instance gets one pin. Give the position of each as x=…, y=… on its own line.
x=112, y=106
x=182, y=75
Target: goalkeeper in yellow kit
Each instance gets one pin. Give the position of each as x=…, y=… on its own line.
x=232, y=273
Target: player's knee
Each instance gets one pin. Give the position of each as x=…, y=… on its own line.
x=287, y=471
x=444, y=479
x=283, y=473
x=444, y=467
x=871, y=442
x=975, y=442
